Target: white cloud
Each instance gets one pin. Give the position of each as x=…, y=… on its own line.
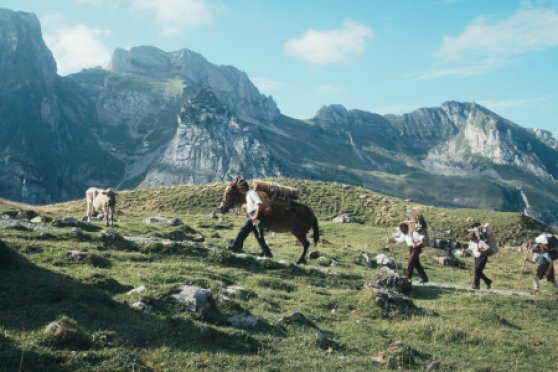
x=174, y=16
x=266, y=85
x=333, y=46
x=78, y=46
x=485, y=45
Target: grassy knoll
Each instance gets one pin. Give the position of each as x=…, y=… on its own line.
x=459, y=330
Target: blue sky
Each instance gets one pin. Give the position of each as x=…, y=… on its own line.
x=391, y=56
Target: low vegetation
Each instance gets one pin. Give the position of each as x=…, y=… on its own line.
x=320, y=316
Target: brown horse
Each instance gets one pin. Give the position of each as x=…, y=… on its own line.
x=297, y=219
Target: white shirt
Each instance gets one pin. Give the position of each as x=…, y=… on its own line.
x=477, y=247
x=252, y=201
x=411, y=238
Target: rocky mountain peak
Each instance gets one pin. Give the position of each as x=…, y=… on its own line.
x=546, y=137
x=334, y=114
x=230, y=85
x=21, y=44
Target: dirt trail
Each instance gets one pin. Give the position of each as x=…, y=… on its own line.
x=506, y=292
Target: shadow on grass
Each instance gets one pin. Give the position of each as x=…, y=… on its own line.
x=426, y=293
x=308, y=273
x=32, y=297
x=13, y=358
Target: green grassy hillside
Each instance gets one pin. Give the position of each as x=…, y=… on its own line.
x=455, y=329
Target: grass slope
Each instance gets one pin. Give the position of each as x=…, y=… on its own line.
x=459, y=330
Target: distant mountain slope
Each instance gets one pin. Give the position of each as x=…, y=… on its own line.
x=160, y=118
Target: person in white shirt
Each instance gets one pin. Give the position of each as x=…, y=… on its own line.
x=254, y=209
x=544, y=256
x=480, y=250
x=415, y=242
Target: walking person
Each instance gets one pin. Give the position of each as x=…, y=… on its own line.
x=544, y=254
x=254, y=209
x=415, y=243
x=480, y=250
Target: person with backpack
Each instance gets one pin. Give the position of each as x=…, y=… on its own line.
x=484, y=232
x=480, y=250
x=542, y=257
x=254, y=208
x=415, y=242
x=545, y=250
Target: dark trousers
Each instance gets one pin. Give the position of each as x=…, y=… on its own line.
x=543, y=269
x=480, y=263
x=243, y=234
x=414, y=263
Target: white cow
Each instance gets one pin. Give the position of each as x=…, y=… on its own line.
x=101, y=200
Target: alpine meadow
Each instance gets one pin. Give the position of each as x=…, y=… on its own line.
x=162, y=214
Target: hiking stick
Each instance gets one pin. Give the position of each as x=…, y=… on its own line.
x=522, y=266
x=389, y=249
x=469, y=271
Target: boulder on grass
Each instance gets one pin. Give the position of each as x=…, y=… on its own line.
x=195, y=299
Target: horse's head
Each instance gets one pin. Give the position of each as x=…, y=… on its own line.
x=232, y=196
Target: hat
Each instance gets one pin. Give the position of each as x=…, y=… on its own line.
x=541, y=239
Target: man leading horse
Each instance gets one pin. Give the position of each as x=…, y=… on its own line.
x=297, y=218
x=254, y=209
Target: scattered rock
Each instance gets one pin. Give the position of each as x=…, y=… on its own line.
x=448, y=261
x=75, y=232
x=243, y=321
x=110, y=285
x=213, y=216
x=77, y=256
x=434, y=366
x=198, y=238
x=234, y=290
x=40, y=219
x=52, y=327
x=391, y=280
x=296, y=318
x=397, y=356
x=66, y=333
x=139, y=289
x=26, y=215
x=389, y=299
x=385, y=260
x=154, y=219
x=460, y=252
x=70, y=221
x=367, y=260
x=175, y=221
x=344, y=218
x=314, y=255
x=113, y=239
x=321, y=340
x=74, y=222
x=140, y=305
x=195, y=299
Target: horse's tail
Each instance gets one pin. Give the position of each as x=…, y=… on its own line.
x=316, y=230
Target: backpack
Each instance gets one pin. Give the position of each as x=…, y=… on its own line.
x=485, y=233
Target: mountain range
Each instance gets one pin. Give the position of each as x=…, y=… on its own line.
x=159, y=118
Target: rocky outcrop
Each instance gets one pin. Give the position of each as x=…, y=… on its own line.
x=211, y=144
x=230, y=85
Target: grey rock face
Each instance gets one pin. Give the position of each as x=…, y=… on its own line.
x=195, y=299
x=211, y=144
